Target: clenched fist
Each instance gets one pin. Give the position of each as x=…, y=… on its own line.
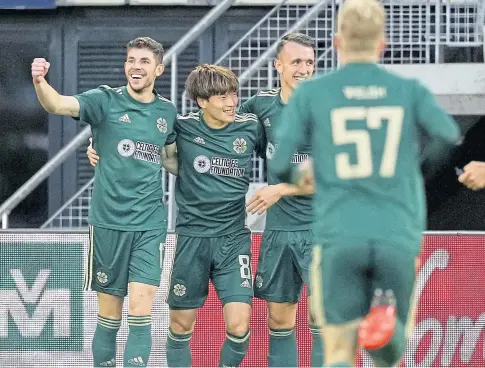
x=40, y=67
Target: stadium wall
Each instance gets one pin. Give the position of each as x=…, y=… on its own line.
x=46, y=320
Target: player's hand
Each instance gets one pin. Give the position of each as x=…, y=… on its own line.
x=92, y=155
x=305, y=175
x=473, y=176
x=263, y=199
x=40, y=67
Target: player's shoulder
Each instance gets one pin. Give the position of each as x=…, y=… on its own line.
x=398, y=77
x=246, y=118
x=165, y=103
x=268, y=93
x=190, y=117
x=110, y=90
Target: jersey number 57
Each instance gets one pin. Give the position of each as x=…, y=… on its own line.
x=373, y=116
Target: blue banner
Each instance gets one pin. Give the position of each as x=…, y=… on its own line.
x=27, y=4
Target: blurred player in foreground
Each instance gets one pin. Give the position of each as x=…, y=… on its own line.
x=131, y=125
x=364, y=125
x=285, y=255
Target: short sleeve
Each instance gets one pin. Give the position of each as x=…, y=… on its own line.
x=93, y=105
x=172, y=137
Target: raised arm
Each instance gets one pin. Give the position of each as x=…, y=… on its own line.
x=49, y=98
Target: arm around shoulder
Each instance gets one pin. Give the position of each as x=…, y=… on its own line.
x=169, y=158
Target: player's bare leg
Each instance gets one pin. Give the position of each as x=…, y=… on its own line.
x=236, y=316
x=139, y=343
x=109, y=322
x=341, y=343
x=182, y=322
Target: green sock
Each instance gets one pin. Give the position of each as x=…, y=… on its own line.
x=234, y=350
x=283, y=351
x=104, y=342
x=178, y=349
x=139, y=343
x=340, y=365
x=391, y=353
x=317, y=346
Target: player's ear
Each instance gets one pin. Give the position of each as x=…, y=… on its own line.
x=277, y=65
x=337, y=41
x=382, y=45
x=202, y=102
x=160, y=69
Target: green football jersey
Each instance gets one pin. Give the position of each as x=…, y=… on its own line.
x=128, y=136
x=214, y=172
x=289, y=213
x=365, y=126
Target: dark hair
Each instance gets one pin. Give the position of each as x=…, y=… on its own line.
x=149, y=44
x=299, y=38
x=208, y=80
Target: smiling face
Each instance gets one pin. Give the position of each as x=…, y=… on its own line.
x=295, y=63
x=214, y=88
x=221, y=108
x=141, y=69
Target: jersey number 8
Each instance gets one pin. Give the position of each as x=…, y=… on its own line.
x=373, y=116
x=245, y=268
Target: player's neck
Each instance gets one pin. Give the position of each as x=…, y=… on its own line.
x=285, y=93
x=145, y=96
x=358, y=58
x=212, y=122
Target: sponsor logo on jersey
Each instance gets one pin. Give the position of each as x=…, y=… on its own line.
x=162, y=125
x=202, y=164
x=299, y=158
x=140, y=150
x=220, y=166
x=126, y=147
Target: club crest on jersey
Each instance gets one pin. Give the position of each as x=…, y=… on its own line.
x=266, y=123
x=162, y=125
x=240, y=145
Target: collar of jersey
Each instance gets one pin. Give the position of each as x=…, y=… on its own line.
x=129, y=97
x=201, y=118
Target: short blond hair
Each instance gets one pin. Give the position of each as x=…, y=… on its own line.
x=361, y=25
x=208, y=80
